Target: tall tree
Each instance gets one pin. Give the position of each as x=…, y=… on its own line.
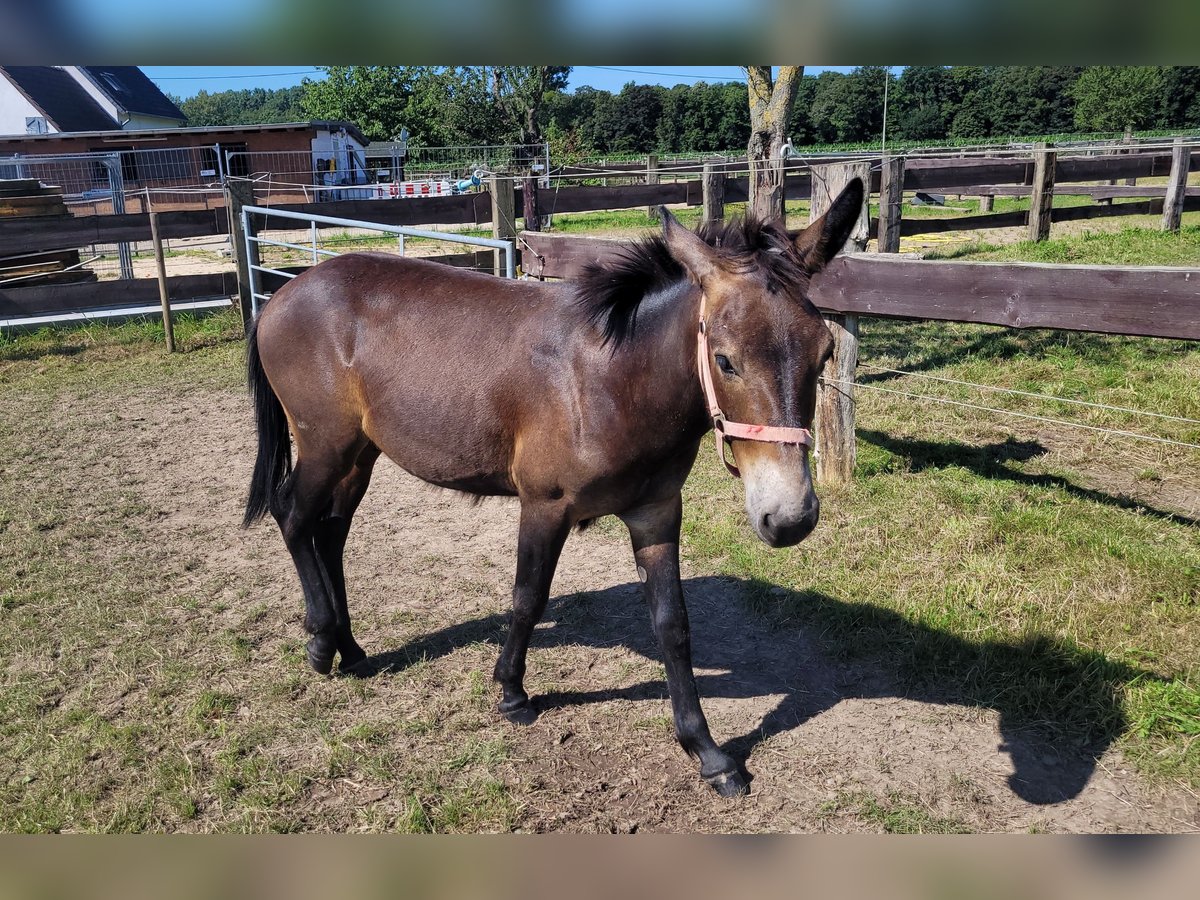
x=376, y=98
x=771, y=102
x=1108, y=98
x=518, y=92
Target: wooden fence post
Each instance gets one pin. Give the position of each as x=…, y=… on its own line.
x=1128, y=139
x=891, y=201
x=531, y=218
x=652, y=178
x=986, y=203
x=714, y=192
x=239, y=193
x=834, y=425
x=163, y=296
x=1042, y=199
x=504, y=215
x=1176, y=186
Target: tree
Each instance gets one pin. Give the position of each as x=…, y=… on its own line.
x=1181, y=97
x=918, y=106
x=1109, y=98
x=243, y=107
x=375, y=98
x=518, y=92
x=771, y=103
x=1030, y=100
x=849, y=108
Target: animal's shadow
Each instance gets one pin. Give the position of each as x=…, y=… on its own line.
x=1059, y=705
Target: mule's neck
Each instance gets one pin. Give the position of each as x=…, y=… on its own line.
x=664, y=349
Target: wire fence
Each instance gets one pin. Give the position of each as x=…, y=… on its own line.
x=1101, y=408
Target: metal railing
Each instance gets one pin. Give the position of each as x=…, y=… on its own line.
x=253, y=241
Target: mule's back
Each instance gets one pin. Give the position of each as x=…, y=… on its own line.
x=435, y=366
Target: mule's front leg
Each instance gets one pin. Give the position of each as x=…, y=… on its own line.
x=655, y=533
x=542, y=533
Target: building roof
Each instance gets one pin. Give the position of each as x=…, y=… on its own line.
x=160, y=134
x=63, y=100
x=130, y=89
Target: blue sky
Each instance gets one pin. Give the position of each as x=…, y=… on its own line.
x=185, y=81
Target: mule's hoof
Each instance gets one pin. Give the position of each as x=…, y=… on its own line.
x=520, y=714
x=320, y=655
x=729, y=784
x=360, y=668
x=352, y=662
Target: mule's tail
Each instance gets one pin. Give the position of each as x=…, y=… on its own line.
x=274, y=461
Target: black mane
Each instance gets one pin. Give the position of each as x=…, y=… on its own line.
x=610, y=292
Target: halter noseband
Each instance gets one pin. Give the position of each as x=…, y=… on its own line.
x=725, y=430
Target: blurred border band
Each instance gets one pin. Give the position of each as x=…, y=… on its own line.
x=627, y=32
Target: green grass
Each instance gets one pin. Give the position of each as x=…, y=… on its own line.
x=976, y=558
x=896, y=813
x=1127, y=247
x=1048, y=575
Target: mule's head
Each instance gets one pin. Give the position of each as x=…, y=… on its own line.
x=767, y=345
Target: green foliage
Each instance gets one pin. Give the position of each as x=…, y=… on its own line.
x=256, y=106
x=376, y=98
x=447, y=105
x=1109, y=98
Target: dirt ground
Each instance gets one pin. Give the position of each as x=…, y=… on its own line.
x=830, y=746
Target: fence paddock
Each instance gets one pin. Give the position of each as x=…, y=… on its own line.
x=713, y=181
x=1041, y=202
x=504, y=215
x=1176, y=186
x=891, y=204
x=164, y=296
x=652, y=177
x=239, y=193
x=836, y=452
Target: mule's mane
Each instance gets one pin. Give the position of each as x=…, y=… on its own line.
x=611, y=292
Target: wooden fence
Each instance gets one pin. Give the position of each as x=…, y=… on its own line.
x=1123, y=300
x=1141, y=301
x=1009, y=175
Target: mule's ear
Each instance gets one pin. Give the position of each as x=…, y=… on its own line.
x=687, y=247
x=820, y=242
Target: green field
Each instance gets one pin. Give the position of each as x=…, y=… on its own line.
x=1048, y=573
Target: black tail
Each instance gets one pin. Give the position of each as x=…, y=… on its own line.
x=274, y=462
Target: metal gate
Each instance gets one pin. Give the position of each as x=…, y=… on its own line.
x=255, y=268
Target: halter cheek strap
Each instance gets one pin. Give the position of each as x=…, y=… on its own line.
x=725, y=430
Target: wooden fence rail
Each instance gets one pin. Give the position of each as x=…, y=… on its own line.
x=1127, y=300
x=969, y=176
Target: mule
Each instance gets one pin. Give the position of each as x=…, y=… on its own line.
x=581, y=399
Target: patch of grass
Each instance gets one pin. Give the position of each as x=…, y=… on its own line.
x=896, y=813
x=977, y=558
x=1127, y=247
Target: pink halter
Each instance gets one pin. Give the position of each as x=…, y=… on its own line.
x=725, y=430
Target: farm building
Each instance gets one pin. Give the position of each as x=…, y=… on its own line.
x=47, y=100
x=316, y=152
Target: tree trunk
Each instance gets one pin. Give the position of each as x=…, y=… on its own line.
x=771, y=105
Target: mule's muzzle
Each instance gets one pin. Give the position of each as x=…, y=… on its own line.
x=785, y=527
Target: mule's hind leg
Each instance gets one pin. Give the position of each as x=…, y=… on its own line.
x=297, y=507
x=543, y=531
x=330, y=540
x=655, y=533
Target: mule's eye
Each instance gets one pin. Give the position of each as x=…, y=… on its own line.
x=725, y=365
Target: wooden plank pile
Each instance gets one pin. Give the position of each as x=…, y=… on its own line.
x=26, y=198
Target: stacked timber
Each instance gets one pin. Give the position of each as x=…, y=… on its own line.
x=29, y=198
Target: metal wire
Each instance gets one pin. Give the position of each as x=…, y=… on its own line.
x=989, y=387
x=1008, y=412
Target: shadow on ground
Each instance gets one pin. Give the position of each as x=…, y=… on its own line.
x=989, y=461
x=1059, y=706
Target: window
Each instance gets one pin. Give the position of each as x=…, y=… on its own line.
x=237, y=165
x=129, y=164
x=36, y=125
